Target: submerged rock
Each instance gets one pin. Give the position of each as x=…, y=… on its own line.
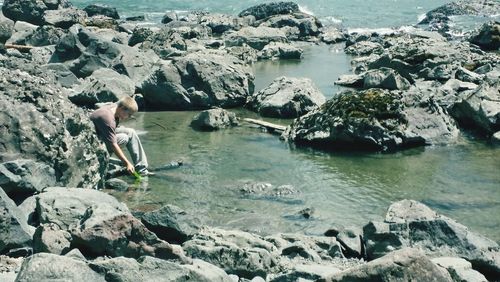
x=214, y=119
x=255, y=37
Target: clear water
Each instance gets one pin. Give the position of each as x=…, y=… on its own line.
x=461, y=181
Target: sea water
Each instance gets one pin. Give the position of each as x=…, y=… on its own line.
x=461, y=180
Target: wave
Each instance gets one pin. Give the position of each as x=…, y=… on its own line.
x=332, y=19
x=421, y=17
x=305, y=9
x=372, y=30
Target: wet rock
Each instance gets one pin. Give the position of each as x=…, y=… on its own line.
x=153, y=269
x=107, y=231
x=29, y=10
x=172, y=224
x=54, y=132
x=263, y=11
x=139, y=35
x=140, y=18
x=103, y=10
x=363, y=48
x=405, y=264
x=214, y=119
x=287, y=98
x=255, y=37
x=102, y=22
x=245, y=53
x=384, y=78
x=351, y=80
x=104, y=85
x=44, y=266
x=21, y=178
x=267, y=189
x=297, y=26
x=49, y=238
x=275, y=50
x=410, y=223
x=117, y=184
x=14, y=232
x=307, y=213
x=64, y=18
x=459, y=269
x=6, y=28
x=169, y=17
x=351, y=241
x=331, y=35
x=488, y=37
x=221, y=23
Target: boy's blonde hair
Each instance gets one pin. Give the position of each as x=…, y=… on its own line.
x=129, y=104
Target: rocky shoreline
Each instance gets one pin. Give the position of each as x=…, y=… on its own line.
x=409, y=88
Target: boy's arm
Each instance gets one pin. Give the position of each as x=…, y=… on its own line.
x=119, y=153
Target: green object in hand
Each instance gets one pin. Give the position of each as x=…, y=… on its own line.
x=137, y=175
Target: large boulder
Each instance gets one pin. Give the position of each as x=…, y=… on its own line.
x=384, y=78
x=45, y=267
x=375, y=119
x=39, y=123
x=263, y=11
x=459, y=269
x=49, y=238
x=287, y=98
x=214, y=119
x=25, y=177
x=43, y=36
x=102, y=10
x=104, y=85
x=276, y=50
x=64, y=18
x=298, y=26
x=14, y=231
x=6, y=27
x=255, y=37
x=488, y=37
x=31, y=11
x=403, y=265
x=198, y=80
x=412, y=224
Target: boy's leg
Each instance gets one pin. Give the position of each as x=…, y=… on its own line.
x=128, y=136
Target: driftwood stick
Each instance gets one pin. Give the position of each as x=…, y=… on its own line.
x=22, y=48
x=269, y=126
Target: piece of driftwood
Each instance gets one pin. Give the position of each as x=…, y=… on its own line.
x=21, y=48
x=271, y=127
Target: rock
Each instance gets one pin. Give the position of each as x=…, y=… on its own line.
x=14, y=232
x=255, y=37
x=67, y=206
x=49, y=238
x=331, y=35
x=275, y=50
x=496, y=138
x=172, y=224
x=64, y=18
x=307, y=272
x=169, y=17
x=374, y=119
x=104, y=85
x=287, y=98
x=29, y=10
x=103, y=10
x=410, y=223
x=54, y=132
x=107, y=231
x=198, y=80
x=102, y=22
x=246, y=54
x=459, y=269
x=488, y=37
x=264, y=189
x=6, y=28
x=63, y=75
x=363, y=48
x=21, y=178
x=384, y=78
x=351, y=241
x=153, y=269
x=117, y=184
x=44, y=266
x=139, y=18
x=406, y=264
x=214, y=119
x=221, y=23
x=20, y=32
x=468, y=76
x=306, y=213
x=479, y=109
x=44, y=35
x=351, y=80
x=263, y=11
x=139, y=35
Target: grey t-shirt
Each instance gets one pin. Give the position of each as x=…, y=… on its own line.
x=105, y=124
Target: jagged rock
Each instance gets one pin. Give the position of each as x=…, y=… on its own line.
x=171, y=224
x=384, y=78
x=298, y=26
x=220, y=23
x=287, y=98
x=20, y=32
x=245, y=53
x=351, y=241
x=49, y=238
x=214, y=119
x=275, y=50
x=169, y=17
x=374, y=119
x=108, y=231
x=103, y=10
x=331, y=35
x=31, y=11
x=363, y=48
x=139, y=35
x=102, y=22
x=6, y=28
x=405, y=265
x=44, y=266
x=459, y=269
x=255, y=37
x=66, y=206
x=263, y=11
x=117, y=184
x=54, y=132
x=44, y=35
x=468, y=76
x=14, y=231
x=63, y=75
x=351, y=80
x=488, y=37
x=410, y=223
x=25, y=177
x=307, y=272
x=153, y=269
x=64, y=18
x=104, y=85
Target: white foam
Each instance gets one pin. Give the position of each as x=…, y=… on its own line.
x=421, y=17
x=306, y=10
x=371, y=30
x=333, y=20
